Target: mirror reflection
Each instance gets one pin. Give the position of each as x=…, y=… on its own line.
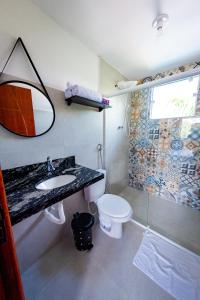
x=24, y=109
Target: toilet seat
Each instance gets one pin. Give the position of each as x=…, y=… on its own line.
x=114, y=206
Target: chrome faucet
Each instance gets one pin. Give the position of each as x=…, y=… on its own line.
x=50, y=167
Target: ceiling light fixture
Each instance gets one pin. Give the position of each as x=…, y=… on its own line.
x=159, y=22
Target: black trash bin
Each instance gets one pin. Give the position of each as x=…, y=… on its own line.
x=82, y=230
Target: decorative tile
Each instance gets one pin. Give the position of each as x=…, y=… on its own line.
x=190, y=197
x=191, y=145
x=195, y=134
x=144, y=114
x=135, y=115
x=164, y=133
x=176, y=123
x=173, y=174
x=152, y=153
x=164, y=144
x=188, y=180
x=150, y=180
x=185, y=166
x=189, y=169
x=173, y=157
x=151, y=171
x=198, y=107
x=198, y=171
x=172, y=186
x=133, y=151
x=164, y=124
x=144, y=125
x=170, y=72
x=142, y=160
x=175, y=133
x=197, y=156
x=134, y=134
x=176, y=145
x=162, y=162
x=165, y=159
x=133, y=160
x=142, y=143
x=141, y=177
x=141, y=152
x=154, y=134
x=135, y=102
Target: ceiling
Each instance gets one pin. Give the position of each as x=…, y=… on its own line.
x=120, y=31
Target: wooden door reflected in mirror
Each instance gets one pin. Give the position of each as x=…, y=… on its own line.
x=24, y=109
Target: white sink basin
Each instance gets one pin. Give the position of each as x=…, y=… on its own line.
x=55, y=182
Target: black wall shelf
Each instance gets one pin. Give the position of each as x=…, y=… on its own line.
x=86, y=102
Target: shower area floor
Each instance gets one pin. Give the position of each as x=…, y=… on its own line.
x=175, y=221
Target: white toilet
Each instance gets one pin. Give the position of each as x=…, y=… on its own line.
x=113, y=210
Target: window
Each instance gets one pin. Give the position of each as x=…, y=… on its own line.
x=175, y=99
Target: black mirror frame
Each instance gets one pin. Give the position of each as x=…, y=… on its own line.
x=45, y=93
x=47, y=97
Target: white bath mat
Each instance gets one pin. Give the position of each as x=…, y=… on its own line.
x=175, y=269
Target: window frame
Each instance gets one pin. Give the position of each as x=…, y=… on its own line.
x=168, y=83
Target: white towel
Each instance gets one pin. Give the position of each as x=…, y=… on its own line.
x=126, y=84
x=77, y=90
x=175, y=269
x=68, y=93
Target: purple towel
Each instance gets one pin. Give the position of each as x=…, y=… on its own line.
x=105, y=101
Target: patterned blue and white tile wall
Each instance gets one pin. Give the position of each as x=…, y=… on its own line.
x=164, y=154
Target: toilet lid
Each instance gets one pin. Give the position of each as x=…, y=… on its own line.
x=114, y=206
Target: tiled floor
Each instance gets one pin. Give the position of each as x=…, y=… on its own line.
x=104, y=273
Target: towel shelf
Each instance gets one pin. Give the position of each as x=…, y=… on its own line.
x=86, y=102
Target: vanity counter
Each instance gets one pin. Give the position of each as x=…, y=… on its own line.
x=24, y=200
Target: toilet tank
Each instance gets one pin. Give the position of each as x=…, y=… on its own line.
x=94, y=191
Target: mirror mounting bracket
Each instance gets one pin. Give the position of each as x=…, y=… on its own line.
x=19, y=41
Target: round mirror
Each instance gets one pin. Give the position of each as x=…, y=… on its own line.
x=24, y=109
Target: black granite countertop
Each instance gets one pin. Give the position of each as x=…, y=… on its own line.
x=24, y=200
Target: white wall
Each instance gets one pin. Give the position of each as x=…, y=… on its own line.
x=72, y=134
x=58, y=56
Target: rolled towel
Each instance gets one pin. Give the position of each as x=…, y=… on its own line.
x=126, y=84
x=77, y=90
x=68, y=93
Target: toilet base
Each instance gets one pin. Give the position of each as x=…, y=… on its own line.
x=113, y=230
x=113, y=226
